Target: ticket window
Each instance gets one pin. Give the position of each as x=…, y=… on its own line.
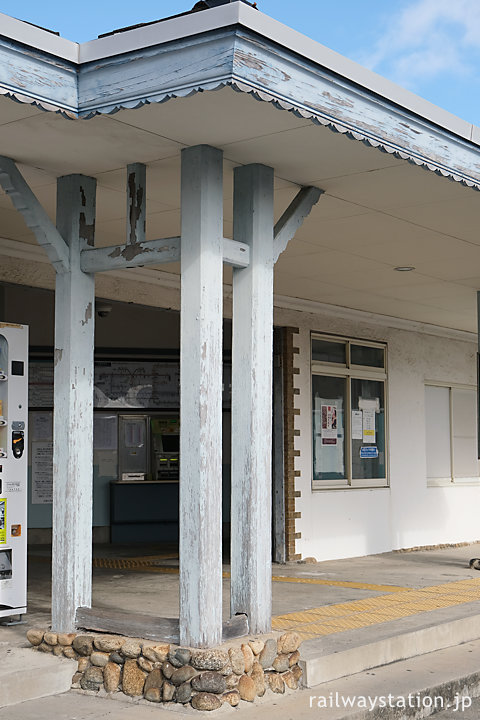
x=149, y=448
x=165, y=449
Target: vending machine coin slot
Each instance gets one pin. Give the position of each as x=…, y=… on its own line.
x=18, y=443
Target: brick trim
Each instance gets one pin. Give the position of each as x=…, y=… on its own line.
x=290, y=413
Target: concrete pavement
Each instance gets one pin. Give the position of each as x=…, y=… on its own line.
x=444, y=681
x=435, y=593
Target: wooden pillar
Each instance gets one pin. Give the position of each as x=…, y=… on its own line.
x=251, y=514
x=478, y=373
x=201, y=397
x=73, y=407
x=278, y=450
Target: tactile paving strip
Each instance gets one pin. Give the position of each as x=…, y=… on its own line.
x=400, y=602
x=372, y=611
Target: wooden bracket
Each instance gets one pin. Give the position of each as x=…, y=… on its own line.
x=24, y=200
x=293, y=217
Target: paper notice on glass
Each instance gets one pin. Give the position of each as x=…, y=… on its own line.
x=105, y=432
x=42, y=473
x=369, y=404
x=134, y=433
x=357, y=425
x=42, y=426
x=329, y=425
x=369, y=426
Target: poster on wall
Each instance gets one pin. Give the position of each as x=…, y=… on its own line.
x=105, y=432
x=357, y=425
x=369, y=426
x=42, y=473
x=41, y=426
x=122, y=385
x=3, y=521
x=329, y=424
x=40, y=385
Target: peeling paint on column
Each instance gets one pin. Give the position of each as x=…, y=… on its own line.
x=88, y=314
x=87, y=230
x=135, y=198
x=136, y=204
x=57, y=356
x=201, y=398
x=73, y=408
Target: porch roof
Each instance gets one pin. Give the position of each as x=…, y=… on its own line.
x=380, y=209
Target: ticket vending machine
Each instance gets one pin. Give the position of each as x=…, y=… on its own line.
x=13, y=468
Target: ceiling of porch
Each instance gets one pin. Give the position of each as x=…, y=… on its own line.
x=378, y=212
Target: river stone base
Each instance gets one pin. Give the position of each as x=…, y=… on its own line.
x=164, y=673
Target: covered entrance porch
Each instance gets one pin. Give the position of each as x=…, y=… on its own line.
x=214, y=179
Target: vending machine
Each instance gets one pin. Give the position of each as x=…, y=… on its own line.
x=13, y=468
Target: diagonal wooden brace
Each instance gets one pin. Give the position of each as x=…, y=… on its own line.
x=24, y=200
x=293, y=217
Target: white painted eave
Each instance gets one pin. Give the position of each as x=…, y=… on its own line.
x=39, y=39
x=237, y=13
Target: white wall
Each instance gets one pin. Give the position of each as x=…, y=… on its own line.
x=355, y=522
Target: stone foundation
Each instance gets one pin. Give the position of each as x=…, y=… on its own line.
x=159, y=672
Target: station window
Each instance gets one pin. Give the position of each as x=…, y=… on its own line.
x=348, y=413
x=450, y=429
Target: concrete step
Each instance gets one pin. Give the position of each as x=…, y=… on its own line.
x=29, y=675
x=446, y=680
x=347, y=653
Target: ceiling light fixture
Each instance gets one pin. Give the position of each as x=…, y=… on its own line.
x=404, y=268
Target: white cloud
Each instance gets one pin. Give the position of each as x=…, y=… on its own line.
x=426, y=39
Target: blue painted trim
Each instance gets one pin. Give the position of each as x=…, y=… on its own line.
x=31, y=75
x=239, y=58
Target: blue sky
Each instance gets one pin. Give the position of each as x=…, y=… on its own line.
x=432, y=47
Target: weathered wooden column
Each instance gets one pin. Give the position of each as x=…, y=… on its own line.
x=478, y=374
x=251, y=514
x=201, y=397
x=73, y=407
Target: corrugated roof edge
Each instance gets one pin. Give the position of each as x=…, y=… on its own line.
x=241, y=14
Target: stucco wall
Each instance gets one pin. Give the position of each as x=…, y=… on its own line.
x=355, y=522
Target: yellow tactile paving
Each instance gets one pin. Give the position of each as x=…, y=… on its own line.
x=372, y=611
x=339, y=583
x=400, y=602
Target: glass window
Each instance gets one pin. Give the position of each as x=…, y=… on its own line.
x=450, y=429
x=349, y=413
x=367, y=356
x=437, y=427
x=368, y=429
x=328, y=403
x=329, y=352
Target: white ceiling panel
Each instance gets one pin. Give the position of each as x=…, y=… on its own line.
x=393, y=187
x=219, y=118
x=11, y=111
x=63, y=146
x=324, y=154
x=377, y=211
x=459, y=218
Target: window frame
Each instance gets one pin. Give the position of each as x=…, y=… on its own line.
x=452, y=480
x=350, y=372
